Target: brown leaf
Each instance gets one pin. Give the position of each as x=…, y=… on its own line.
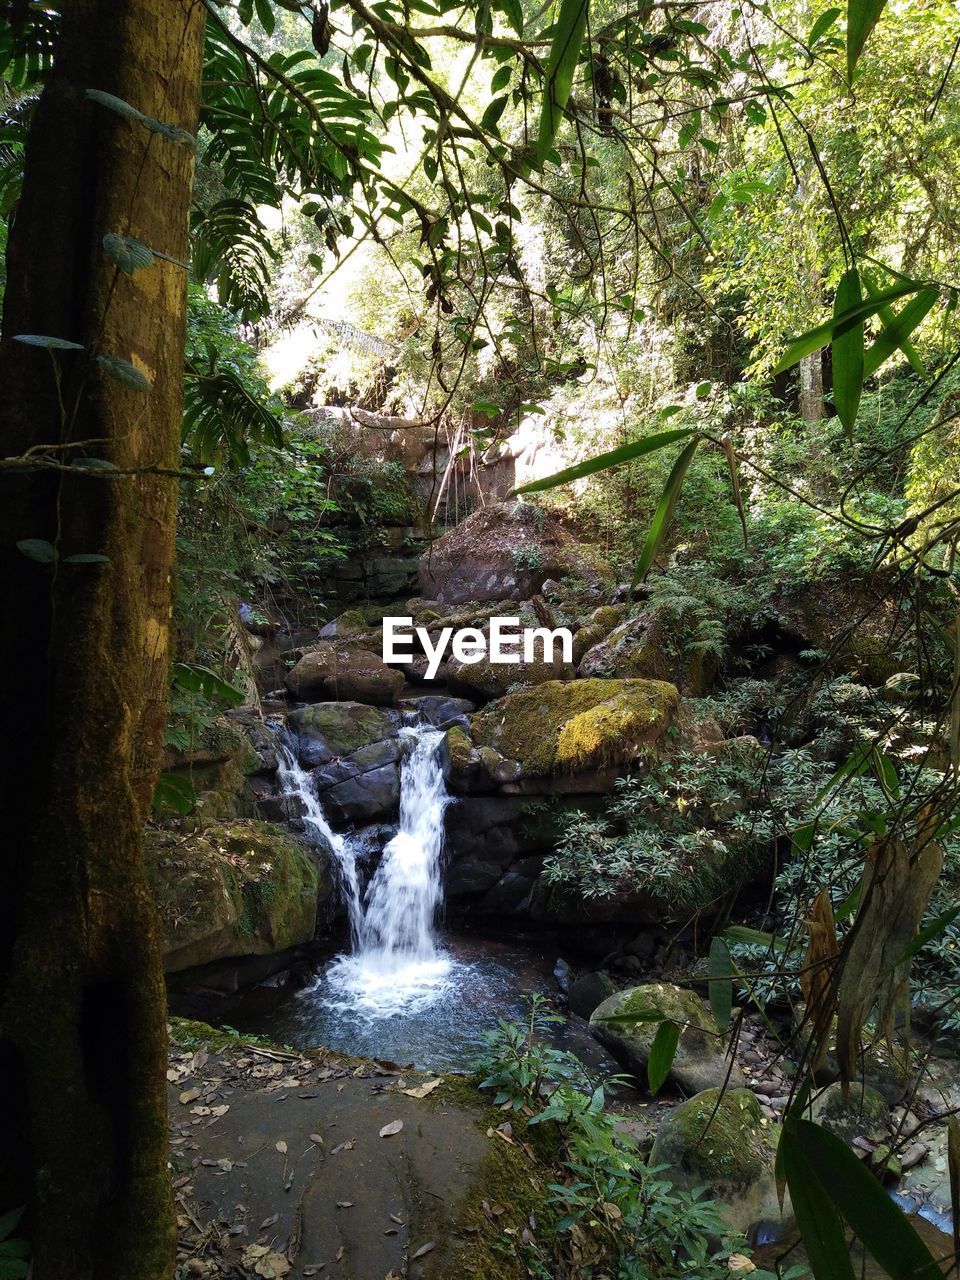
x=315, y=1137
x=816, y=978
x=282, y=1147
x=390, y=1129
x=191, y=1095
x=344, y=1204
x=395, y=1217
x=421, y=1090
x=423, y=1250
x=268, y=1222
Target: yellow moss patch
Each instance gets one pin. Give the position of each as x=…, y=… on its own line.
x=567, y=726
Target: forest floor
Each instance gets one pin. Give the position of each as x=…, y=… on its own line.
x=316, y=1164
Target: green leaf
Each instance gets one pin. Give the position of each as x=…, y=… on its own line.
x=603, y=461
x=862, y=17
x=10, y=1221
x=128, y=253
x=198, y=679
x=87, y=557
x=924, y=936
x=806, y=343
x=564, y=56
x=42, y=340
x=720, y=986
x=817, y=1216
x=847, y=351
x=124, y=372
x=174, y=792
x=494, y=111
x=662, y=1053
x=38, y=549
x=13, y=1269
x=822, y=25
x=896, y=331
x=268, y=19
x=663, y=515
x=877, y=1221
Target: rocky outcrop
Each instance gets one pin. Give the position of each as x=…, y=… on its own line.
x=217, y=759
x=505, y=552
x=558, y=728
x=700, y=1061
x=240, y=888
x=344, y=672
x=330, y=730
x=719, y=1141
x=354, y=753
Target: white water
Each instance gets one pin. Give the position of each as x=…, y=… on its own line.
x=395, y=964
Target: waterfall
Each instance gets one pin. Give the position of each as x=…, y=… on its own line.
x=296, y=784
x=395, y=962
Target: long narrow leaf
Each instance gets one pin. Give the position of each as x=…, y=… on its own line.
x=732, y=467
x=662, y=1053
x=847, y=351
x=924, y=936
x=877, y=1221
x=603, y=461
x=564, y=56
x=816, y=1213
x=806, y=343
x=720, y=985
x=663, y=515
x=900, y=326
x=862, y=17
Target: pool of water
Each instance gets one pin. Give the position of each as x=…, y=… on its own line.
x=431, y=1014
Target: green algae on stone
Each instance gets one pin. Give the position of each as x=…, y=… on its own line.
x=700, y=1061
x=719, y=1140
x=566, y=727
x=343, y=727
x=234, y=889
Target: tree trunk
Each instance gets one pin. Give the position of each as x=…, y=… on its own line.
x=811, y=388
x=84, y=644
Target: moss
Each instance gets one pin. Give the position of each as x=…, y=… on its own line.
x=237, y=888
x=716, y=1137
x=343, y=726
x=507, y=1176
x=189, y=1033
x=583, y=724
x=459, y=746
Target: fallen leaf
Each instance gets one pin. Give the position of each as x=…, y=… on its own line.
x=282, y=1147
x=315, y=1137
x=390, y=1231
x=273, y=1266
x=498, y=1209
x=344, y=1204
x=424, y=1249
x=394, y=1217
x=191, y=1095
x=268, y=1222
x=390, y=1129
x=740, y=1264
x=344, y=1146
x=340, y=1252
x=421, y=1090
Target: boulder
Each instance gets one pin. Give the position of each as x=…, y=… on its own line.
x=439, y=710
x=587, y=992
x=239, y=888
x=719, y=1141
x=864, y=1113
x=630, y=650
x=328, y=730
x=700, y=1061
x=363, y=798
x=574, y=727
x=217, y=761
x=349, y=672
x=504, y=552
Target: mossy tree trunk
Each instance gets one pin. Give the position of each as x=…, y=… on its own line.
x=84, y=644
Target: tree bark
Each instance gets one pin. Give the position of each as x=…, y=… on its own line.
x=84, y=644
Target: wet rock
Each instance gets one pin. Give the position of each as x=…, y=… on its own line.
x=508, y=896
x=589, y=991
x=367, y=796
x=720, y=1140
x=347, y=673
x=465, y=879
x=440, y=711
x=700, y=1061
x=328, y=730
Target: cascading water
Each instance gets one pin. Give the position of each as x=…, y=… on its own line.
x=395, y=963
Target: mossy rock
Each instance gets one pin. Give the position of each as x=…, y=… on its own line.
x=235, y=889
x=720, y=1141
x=700, y=1061
x=350, y=672
x=560, y=727
x=863, y=1113
x=328, y=730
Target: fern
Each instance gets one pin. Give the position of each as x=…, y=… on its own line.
x=221, y=417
